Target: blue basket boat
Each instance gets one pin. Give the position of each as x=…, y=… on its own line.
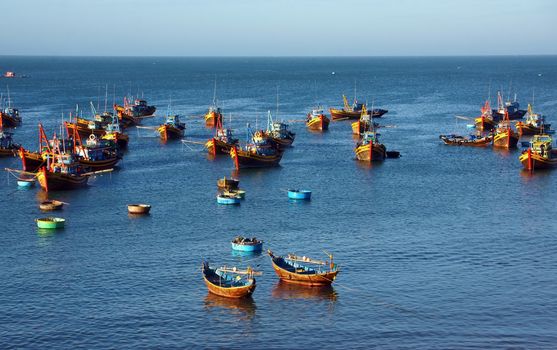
x=247, y=244
x=229, y=200
x=25, y=183
x=299, y=194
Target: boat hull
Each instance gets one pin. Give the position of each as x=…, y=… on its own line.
x=369, y=154
x=341, y=114
x=214, y=285
x=281, y=143
x=320, y=123
x=483, y=142
x=50, y=181
x=8, y=152
x=228, y=200
x=97, y=165
x=248, y=247
x=169, y=132
x=527, y=129
x=531, y=161
x=299, y=195
x=317, y=279
x=31, y=161
x=51, y=223
x=484, y=124
x=7, y=121
x=215, y=146
x=244, y=159
x=84, y=131
x=505, y=140
x=213, y=119
x=519, y=114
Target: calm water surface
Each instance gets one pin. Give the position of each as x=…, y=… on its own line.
x=442, y=248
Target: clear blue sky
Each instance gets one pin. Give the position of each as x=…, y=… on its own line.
x=278, y=27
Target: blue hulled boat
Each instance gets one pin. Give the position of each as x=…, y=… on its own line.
x=247, y=244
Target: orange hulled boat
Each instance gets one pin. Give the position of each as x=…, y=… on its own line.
x=172, y=128
x=260, y=152
x=303, y=270
x=485, y=122
x=353, y=111
x=317, y=120
x=533, y=125
x=540, y=154
x=222, y=142
x=369, y=149
x=505, y=136
x=229, y=282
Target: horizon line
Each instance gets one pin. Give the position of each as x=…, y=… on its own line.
x=280, y=56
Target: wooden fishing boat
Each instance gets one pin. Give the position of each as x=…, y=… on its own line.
x=353, y=111
x=245, y=244
x=505, y=136
x=51, y=205
x=95, y=154
x=139, y=209
x=472, y=141
x=9, y=118
x=7, y=147
x=51, y=223
x=228, y=184
x=369, y=149
x=365, y=123
x=61, y=173
x=259, y=153
x=540, y=154
x=229, y=282
x=299, y=194
x=138, y=109
x=85, y=127
x=303, y=270
x=278, y=133
x=222, y=142
x=317, y=120
x=533, y=125
x=31, y=161
x=485, y=121
x=172, y=128
x=114, y=133
x=512, y=109
x=213, y=117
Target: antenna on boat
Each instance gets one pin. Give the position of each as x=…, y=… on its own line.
x=99, y=98
x=277, y=103
x=355, y=99
x=113, y=94
x=510, y=89
x=105, y=96
x=215, y=92
x=9, y=100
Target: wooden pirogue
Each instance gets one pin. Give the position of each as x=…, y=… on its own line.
x=485, y=121
x=369, y=149
x=354, y=111
x=260, y=152
x=534, y=124
x=303, y=270
x=540, y=154
x=472, y=141
x=172, y=128
x=229, y=282
x=505, y=136
x=317, y=120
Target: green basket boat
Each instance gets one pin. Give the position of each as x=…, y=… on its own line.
x=51, y=223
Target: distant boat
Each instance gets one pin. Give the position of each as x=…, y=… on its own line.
x=213, y=117
x=369, y=148
x=473, y=140
x=303, y=270
x=9, y=74
x=485, y=121
x=172, y=128
x=260, y=152
x=228, y=184
x=278, y=133
x=245, y=244
x=505, y=136
x=365, y=123
x=317, y=120
x=512, y=108
x=64, y=173
x=534, y=124
x=299, y=194
x=229, y=282
x=7, y=147
x=354, y=111
x=540, y=154
x=222, y=142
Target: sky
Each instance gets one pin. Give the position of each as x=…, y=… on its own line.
x=278, y=27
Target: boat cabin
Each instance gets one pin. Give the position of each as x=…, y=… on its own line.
x=541, y=144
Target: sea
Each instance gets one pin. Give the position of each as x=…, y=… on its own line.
x=443, y=248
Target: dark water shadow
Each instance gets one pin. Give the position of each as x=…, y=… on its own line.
x=242, y=309
x=284, y=290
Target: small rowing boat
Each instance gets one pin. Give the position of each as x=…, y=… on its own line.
x=299, y=194
x=229, y=282
x=51, y=223
x=473, y=140
x=303, y=270
x=228, y=199
x=139, y=209
x=50, y=205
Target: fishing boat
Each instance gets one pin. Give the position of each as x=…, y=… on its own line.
x=260, y=152
x=511, y=108
x=31, y=161
x=9, y=74
x=472, y=140
x=533, y=125
x=9, y=118
x=278, y=133
x=303, y=270
x=317, y=120
x=172, y=128
x=51, y=223
x=139, y=209
x=139, y=108
x=61, y=173
x=213, y=117
x=485, y=121
x=505, y=136
x=299, y=194
x=51, y=205
x=228, y=184
x=369, y=149
x=228, y=199
x=114, y=133
x=540, y=154
x=222, y=142
x=245, y=244
x=353, y=111
x=7, y=146
x=365, y=123
x=229, y=282
x=85, y=127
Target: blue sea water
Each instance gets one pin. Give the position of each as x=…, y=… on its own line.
x=446, y=247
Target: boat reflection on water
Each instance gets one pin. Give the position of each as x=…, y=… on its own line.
x=242, y=254
x=242, y=309
x=284, y=290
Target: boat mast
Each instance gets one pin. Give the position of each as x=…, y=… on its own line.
x=105, y=96
x=9, y=100
x=215, y=93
